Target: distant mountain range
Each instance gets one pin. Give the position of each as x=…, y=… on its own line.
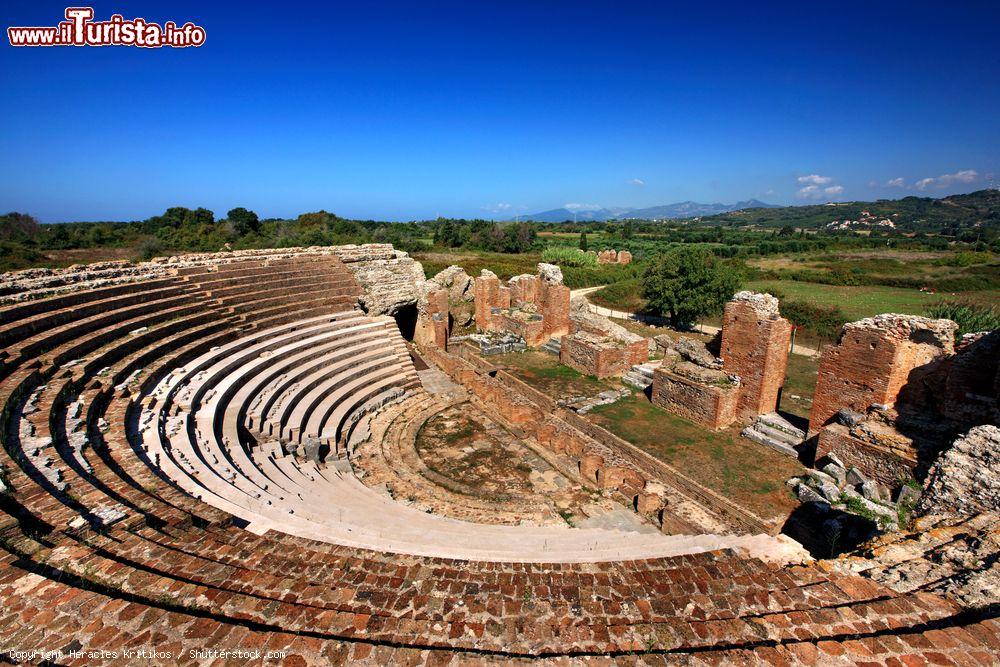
x=684, y=209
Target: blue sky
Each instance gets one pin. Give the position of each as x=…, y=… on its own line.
x=411, y=110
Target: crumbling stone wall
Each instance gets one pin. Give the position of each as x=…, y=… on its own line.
x=445, y=300
x=535, y=307
x=712, y=405
x=610, y=256
x=874, y=359
x=965, y=479
x=755, y=344
x=881, y=454
x=597, y=346
x=432, y=319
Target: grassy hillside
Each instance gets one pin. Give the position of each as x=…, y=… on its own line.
x=976, y=210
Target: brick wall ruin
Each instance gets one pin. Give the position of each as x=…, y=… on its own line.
x=658, y=491
x=755, y=343
x=745, y=382
x=444, y=301
x=611, y=256
x=922, y=412
x=697, y=394
x=874, y=359
x=535, y=307
x=597, y=346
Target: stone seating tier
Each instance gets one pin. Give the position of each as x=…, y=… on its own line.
x=109, y=542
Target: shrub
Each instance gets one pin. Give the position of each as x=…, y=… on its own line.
x=148, y=248
x=963, y=259
x=823, y=321
x=564, y=256
x=971, y=317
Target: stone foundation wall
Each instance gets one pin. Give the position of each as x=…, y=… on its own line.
x=888, y=465
x=601, y=359
x=709, y=405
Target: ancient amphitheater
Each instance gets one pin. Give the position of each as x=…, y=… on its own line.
x=218, y=452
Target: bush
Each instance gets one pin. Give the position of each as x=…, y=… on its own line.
x=148, y=249
x=564, y=256
x=963, y=259
x=822, y=321
x=14, y=256
x=971, y=317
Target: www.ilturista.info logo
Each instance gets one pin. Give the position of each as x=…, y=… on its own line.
x=79, y=29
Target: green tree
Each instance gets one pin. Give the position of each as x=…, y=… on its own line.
x=18, y=227
x=687, y=283
x=244, y=221
x=583, y=241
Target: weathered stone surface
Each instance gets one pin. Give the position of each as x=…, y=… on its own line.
x=965, y=480
x=838, y=474
x=948, y=555
x=458, y=282
x=695, y=352
x=907, y=495
x=550, y=273
x=391, y=278
x=807, y=494
x=764, y=305
x=849, y=417
x=855, y=477
x=663, y=343
x=870, y=490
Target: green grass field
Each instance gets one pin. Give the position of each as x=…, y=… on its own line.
x=747, y=473
x=544, y=372
x=860, y=302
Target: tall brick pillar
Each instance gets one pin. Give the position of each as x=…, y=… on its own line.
x=874, y=360
x=553, y=305
x=755, y=342
x=432, y=319
x=487, y=297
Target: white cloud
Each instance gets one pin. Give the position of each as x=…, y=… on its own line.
x=582, y=207
x=638, y=182
x=896, y=183
x=964, y=176
x=944, y=180
x=815, y=186
x=502, y=207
